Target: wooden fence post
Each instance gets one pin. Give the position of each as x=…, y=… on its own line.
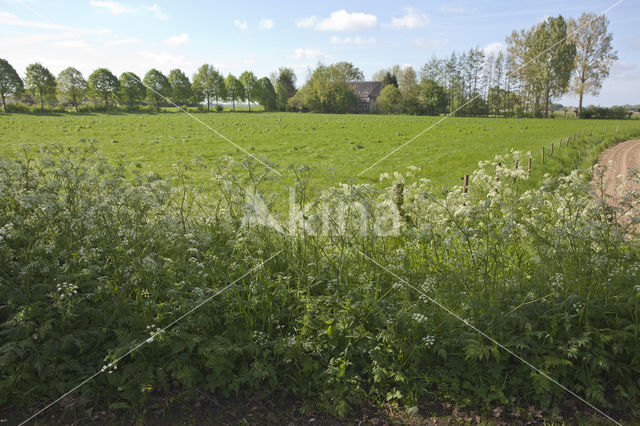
x=543, y=155
x=529, y=169
x=551, y=152
x=466, y=184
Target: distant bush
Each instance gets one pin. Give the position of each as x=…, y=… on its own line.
x=596, y=112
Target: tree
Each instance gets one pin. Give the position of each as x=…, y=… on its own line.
x=594, y=54
x=327, y=90
x=235, y=89
x=346, y=71
x=10, y=82
x=250, y=83
x=104, y=85
x=389, y=79
x=39, y=80
x=180, y=92
x=544, y=60
x=131, y=89
x=72, y=85
x=389, y=99
x=266, y=94
x=284, y=81
x=433, y=97
x=208, y=83
x=158, y=87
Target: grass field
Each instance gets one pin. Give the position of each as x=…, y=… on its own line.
x=336, y=147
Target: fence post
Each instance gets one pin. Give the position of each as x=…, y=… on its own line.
x=529, y=169
x=543, y=155
x=466, y=184
x=551, y=152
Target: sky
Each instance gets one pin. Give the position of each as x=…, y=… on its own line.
x=235, y=36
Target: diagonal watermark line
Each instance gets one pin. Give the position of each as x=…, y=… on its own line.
x=478, y=96
x=150, y=339
x=210, y=128
x=494, y=341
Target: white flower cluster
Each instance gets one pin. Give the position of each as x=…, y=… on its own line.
x=6, y=232
x=153, y=332
x=67, y=290
x=428, y=340
x=260, y=338
x=111, y=367
x=419, y=318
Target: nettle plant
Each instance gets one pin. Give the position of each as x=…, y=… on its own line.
x=97, y=259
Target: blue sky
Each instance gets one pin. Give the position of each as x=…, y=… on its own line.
x=131, y=35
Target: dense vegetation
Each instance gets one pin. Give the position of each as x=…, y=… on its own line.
x=98, y=258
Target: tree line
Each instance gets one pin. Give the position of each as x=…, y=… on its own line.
x=207, y=85
x=540, y=64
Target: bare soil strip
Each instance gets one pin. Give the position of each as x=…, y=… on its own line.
x=618, y=160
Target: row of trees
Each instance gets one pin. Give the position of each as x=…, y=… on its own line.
x=156, y=89
x=540, y=64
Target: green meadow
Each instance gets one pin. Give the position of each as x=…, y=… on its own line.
x=335, y=147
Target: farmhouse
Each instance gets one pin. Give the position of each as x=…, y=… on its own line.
x=367, y=93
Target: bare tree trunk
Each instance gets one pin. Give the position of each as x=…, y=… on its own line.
x=4, y=103
x=580, y=103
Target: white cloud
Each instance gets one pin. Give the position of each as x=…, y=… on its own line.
x=177, y=40
x=308, y=54
x=159, y=13
x=73, y=44
x=241, y=25
x=112, y=6
x=122, y=42
x=164, y=61
x=429, y=44
x=265, y=24
x=307, y=22
x=11, y=19
x=119, y=8
x=340, y=20
x=412, y=18
x=357, y=40
x=494, y=48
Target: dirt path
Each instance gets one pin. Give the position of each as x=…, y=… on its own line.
x=625, y=156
